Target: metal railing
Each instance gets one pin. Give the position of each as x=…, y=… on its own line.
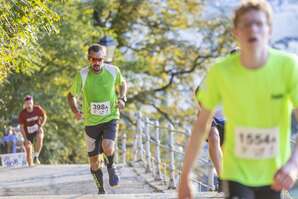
x=161, y=150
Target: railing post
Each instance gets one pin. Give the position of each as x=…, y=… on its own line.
x=200, y=187
x=164, y=173
x=210, y=176
x=172, y=182
x=283, y=195
x=188, y=134
x=157, y=152
x=135, y=146
x=124, y=148
x=140, y=136
x=148, y=152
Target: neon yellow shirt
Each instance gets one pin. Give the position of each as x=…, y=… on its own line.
x=99, y=94
x=257, y=106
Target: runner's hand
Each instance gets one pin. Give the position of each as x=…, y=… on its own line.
x=184, y=190
x=78, y=116
x=121, y=104
x=285, y=177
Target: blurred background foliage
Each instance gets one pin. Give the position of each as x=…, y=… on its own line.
x=44, y=43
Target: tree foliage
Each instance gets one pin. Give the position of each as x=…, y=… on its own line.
x=22, y=22
x=154, y=34
x=160, y=64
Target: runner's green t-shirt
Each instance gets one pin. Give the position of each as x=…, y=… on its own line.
x=99, y=93
x=257, y=106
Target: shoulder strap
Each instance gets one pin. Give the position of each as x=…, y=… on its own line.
x=111, y=69
x=84, y=74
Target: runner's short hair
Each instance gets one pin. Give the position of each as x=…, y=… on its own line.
x=96, y=48
x=28, y=97
x=248, y=5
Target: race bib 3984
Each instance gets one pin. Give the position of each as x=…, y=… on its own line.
x=100, y=108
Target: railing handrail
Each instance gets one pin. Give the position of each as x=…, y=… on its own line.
x=148, y=133
x=148, y=148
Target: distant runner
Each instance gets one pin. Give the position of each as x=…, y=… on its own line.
x=98, y=84
x=32, y=119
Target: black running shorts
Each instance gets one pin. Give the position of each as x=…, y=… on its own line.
x=235, y=190
x=95, y=134
x=31, y=136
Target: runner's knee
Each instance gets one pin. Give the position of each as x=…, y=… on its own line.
x=108, y=147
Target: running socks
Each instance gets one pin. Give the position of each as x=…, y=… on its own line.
x=110, y=161
x=98, y=178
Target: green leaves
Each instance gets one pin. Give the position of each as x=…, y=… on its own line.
x=22, y=23
x=163, y=48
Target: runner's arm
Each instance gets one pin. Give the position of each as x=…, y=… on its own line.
x=71, y=102
x=199, y=133
x=123, y=90
x=286, y=176
x=23, y=132
x=200, y=130
x=43, y=118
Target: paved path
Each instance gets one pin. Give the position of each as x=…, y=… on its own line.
x=75, y=181
x=64, y=179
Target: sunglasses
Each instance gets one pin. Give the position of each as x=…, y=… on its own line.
x=93, y=59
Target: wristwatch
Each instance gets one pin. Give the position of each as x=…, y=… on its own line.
x=124, y=99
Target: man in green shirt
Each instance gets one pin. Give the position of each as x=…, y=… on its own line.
x=258, y=87
x=98, y=84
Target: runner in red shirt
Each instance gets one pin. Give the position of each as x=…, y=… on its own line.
x=32, y=119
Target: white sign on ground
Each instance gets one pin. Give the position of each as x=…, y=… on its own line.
x=13, y=160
